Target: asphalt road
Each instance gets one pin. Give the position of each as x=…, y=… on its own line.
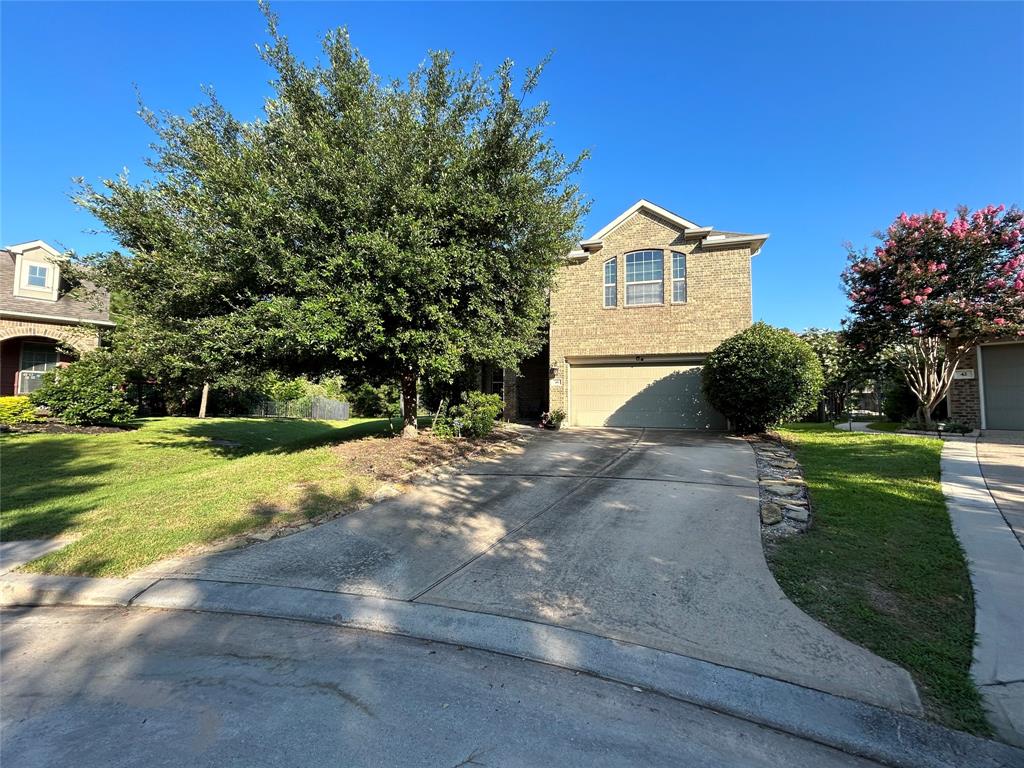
x=110, y=687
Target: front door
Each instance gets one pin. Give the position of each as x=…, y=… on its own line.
x=36, y=359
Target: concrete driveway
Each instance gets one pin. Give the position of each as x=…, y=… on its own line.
x=646, y=536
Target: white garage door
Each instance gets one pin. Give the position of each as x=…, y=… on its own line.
x=640, y=395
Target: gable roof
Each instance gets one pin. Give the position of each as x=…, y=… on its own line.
x=709, y=235
x=22, y=247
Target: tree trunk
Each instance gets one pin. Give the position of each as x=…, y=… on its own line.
x=409, y=404
x=928, y=369
x=203, y=400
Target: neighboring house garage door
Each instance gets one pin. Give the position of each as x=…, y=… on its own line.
x=1003, y=378
x=640, y=395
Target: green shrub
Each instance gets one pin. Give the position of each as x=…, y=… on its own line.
x=17, y=409
x=552, y=419
x=899, y=402
x=762, y=377
x=474, y=418
x=370, y=401
x=89, y=391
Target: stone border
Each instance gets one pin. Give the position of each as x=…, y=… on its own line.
x=853, y=727
x=785, y=504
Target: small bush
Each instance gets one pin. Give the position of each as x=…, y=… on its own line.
x=17, y=409
x=552, y=419
x=370, y=401
x=474, y=418
x=86, y=392
x=762, y=377
x=899, y=402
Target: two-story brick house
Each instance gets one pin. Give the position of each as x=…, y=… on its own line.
x=634, y=312
x=42, y=323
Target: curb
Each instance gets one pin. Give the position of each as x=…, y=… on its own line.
x=855, y=728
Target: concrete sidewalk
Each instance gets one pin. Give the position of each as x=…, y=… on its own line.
x=850, y=726
x=996, y=561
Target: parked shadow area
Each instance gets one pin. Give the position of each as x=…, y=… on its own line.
x=675, y=400
x=237, y=437
x=45, y=483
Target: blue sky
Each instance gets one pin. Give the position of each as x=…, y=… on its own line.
x=816, y=122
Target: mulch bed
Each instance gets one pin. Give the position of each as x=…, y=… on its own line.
x=394, y=458
x=59, y=428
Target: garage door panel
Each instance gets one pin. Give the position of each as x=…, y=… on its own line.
x=641, y=396
x=1003, y=368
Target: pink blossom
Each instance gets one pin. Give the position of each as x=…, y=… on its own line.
x=927, y=291
x=904, y=301
x=918, y=299
x=999, y=321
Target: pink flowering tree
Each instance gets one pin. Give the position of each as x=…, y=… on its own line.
x=934, y=289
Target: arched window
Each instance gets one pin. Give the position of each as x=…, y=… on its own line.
x=645, y=281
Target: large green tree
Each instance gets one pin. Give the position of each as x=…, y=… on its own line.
x=844, y=368
x=395, y=229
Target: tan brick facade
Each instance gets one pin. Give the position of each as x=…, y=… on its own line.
x=79, y=338
x=964, y=397
x=718, y=301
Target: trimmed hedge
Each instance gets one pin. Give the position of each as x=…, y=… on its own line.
x=762, y=377
x=17, y=409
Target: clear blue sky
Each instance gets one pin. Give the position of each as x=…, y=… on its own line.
x=816, y=122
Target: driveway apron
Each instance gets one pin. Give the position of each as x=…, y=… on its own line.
x=647, y=536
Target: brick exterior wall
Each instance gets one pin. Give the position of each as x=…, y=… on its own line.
x=80, y=338
x=965, y=400
x=718, y=301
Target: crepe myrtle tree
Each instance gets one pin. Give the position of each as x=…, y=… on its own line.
x=393, y=230
x=934, y=289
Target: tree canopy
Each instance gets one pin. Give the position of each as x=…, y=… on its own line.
x=935, y=288
x=390, y=229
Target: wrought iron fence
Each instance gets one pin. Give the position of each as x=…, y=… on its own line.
x=303, y=408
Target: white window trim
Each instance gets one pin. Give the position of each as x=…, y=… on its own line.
x=683, y=279
x=606, y=285
x=25, y=290
x=627, y=283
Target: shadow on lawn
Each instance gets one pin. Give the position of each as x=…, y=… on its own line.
x=37, y=471
x=238, y=437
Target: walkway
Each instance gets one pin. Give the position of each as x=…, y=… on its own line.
x=996, y=560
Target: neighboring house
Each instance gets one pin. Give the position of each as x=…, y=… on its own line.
x=41, y=323
x=634, y=312
x=988, y=390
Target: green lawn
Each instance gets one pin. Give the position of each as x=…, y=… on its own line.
x=136, y=496
x=881, y=565
x=886, y=426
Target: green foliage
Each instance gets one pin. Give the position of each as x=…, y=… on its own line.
x=843, y=367
x=370, y=401
x=474, y=418
x=17, y=409
x=392, y=229
x=552, y=419
x=762, y=377
x=89, y=391
x=899, y=402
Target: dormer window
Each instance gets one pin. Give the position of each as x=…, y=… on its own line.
x=36, y=277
